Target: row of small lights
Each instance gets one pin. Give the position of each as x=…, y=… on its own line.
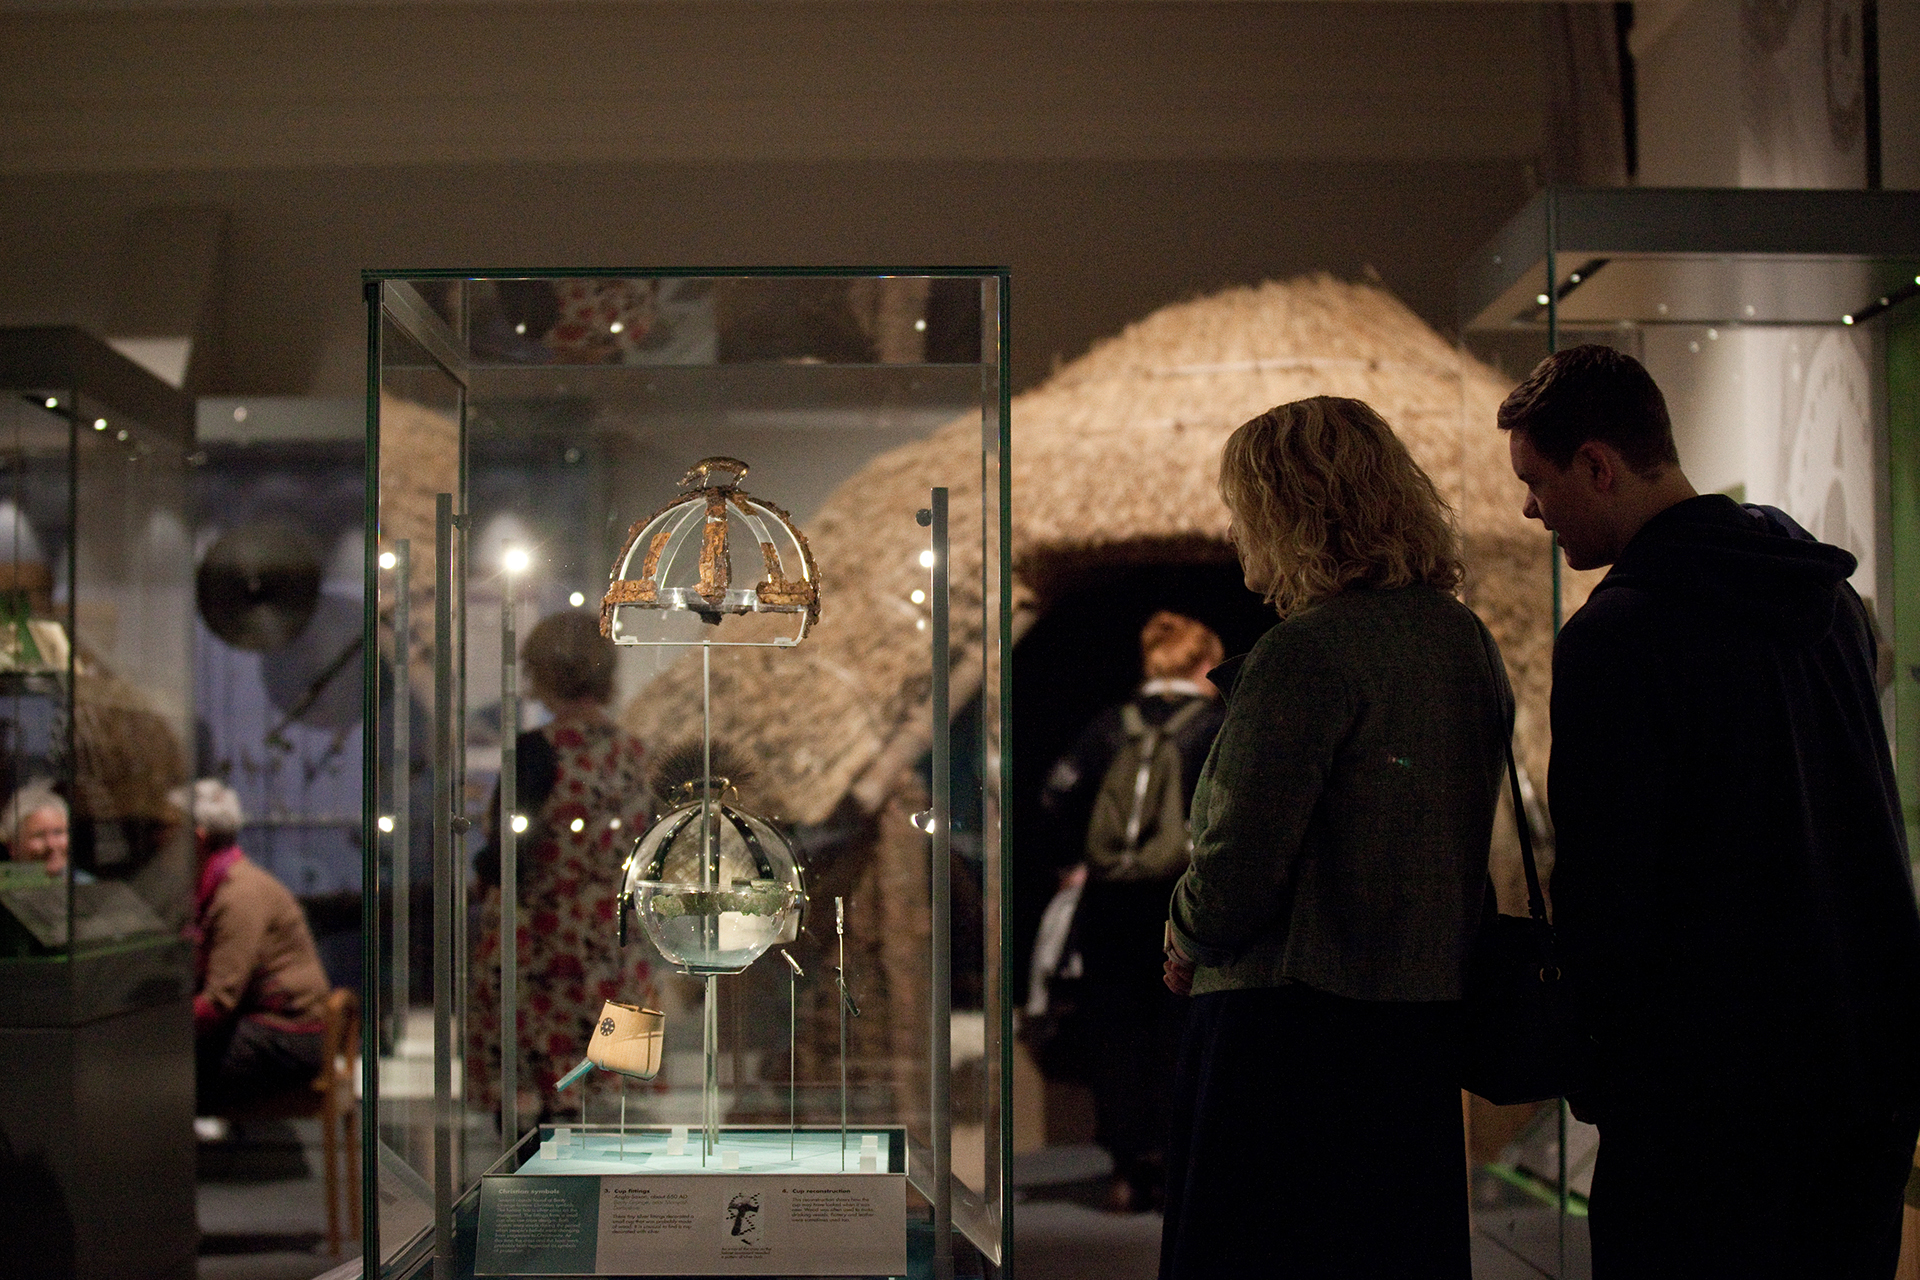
x=514, y=560
x=519, y=824
x=99, y=424
x=620, y=326
x=1541, y=299
x=1884, y=302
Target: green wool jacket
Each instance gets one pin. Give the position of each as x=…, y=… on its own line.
x=1342, y=821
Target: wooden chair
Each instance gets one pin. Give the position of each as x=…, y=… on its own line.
x=330, y=1096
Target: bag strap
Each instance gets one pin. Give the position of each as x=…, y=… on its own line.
x=1183, y=717
x=1536, y=899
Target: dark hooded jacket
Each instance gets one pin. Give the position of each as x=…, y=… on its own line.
x=1731, y=883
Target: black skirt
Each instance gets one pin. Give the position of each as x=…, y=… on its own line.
x=1315, y=1136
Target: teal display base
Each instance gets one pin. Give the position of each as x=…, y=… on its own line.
x=602, y=1149
x=418, y=1264
x=764, y=1202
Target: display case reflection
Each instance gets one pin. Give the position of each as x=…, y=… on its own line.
x=93, y=633
x=97, y=864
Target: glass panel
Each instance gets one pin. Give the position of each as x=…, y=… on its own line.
x=132, y=625
x=36, y=526
x=1769, y=366
x=415, y=457
x=97, y=867
x=996, y=1084
x=94, y=699
x=831, y=404
x=1516, y=1151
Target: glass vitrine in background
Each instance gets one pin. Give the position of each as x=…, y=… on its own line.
x=1783, y=330
x=97, y=879
x=525, y=430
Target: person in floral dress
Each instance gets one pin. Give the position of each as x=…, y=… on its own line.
x=582, y=787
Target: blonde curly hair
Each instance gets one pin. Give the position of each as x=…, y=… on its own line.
x=1325, y=497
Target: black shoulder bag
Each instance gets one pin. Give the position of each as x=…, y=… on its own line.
x=1523, y=1043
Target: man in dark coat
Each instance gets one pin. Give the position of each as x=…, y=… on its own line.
x=1731, y=886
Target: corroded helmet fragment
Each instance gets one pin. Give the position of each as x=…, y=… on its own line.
x=681, y=571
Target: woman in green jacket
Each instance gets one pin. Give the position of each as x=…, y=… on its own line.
x=1341, y=829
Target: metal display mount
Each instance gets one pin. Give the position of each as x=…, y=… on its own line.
x=794, y=974
x=940, y=870
x=446, y=884
x=709, y=880
x=847, y=1005
x=510, y=861
x=402, y=763
x=712, y=498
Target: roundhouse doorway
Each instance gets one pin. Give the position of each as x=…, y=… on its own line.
x=1081, y=656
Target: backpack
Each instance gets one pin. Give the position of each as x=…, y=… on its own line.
x=1139, y=826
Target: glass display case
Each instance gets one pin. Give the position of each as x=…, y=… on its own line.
x=688, y=612
x=1782, y=328
x=97, y=873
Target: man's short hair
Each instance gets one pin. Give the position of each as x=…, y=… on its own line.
x=1587, y=393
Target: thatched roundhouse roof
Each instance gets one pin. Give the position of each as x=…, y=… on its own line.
x=1115, y=459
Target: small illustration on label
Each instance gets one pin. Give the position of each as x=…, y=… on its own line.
x=743, y=1218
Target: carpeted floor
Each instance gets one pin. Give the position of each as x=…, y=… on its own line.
x=1062, y=1233
x=263, y=1214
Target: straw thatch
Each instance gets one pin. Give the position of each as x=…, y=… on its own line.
x=419, y=458
x=1148, y=412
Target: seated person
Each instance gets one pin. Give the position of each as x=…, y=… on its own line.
x=34, y=825
x=257, y=1018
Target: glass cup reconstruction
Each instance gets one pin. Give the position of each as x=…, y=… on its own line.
x=709, y=931
x=741, y=848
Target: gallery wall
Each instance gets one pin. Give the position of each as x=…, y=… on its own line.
x=1117, y=156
